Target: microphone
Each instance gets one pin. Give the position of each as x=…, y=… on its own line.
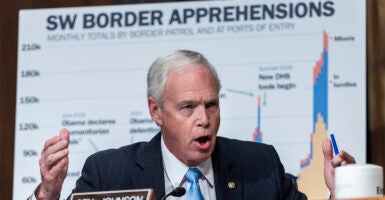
x=177, y=192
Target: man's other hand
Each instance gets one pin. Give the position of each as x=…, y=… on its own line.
x=330, y=163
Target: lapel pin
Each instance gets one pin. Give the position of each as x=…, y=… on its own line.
x=231, y=185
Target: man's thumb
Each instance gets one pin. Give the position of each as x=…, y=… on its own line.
x=327, y=149
x=64, y=134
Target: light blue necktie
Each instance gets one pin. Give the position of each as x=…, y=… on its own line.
x=192, y=176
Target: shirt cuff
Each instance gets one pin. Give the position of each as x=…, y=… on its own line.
x=33, y=196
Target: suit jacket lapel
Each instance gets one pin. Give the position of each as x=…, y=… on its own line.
x=228, y=183
x=149, y=172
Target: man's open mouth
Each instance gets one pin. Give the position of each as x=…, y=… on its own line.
x=203, y=140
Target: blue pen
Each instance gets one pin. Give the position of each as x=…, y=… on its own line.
x=334, y=143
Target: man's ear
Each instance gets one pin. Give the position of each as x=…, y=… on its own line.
x=155, y=111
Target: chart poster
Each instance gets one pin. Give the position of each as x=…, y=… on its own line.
x=292, y=73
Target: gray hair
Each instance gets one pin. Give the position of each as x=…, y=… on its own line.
x=179, y=59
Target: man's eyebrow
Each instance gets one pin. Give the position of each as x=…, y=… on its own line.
x=195, y=101
x=213, y=100
x=187, y=101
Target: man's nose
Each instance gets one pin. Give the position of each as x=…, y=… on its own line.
x=203, y=119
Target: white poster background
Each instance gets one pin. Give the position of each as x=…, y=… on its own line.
x=67, y=77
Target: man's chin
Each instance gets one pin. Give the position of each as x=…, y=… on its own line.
x=200, y=158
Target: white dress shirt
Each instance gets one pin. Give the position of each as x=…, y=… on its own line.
x=174, y=175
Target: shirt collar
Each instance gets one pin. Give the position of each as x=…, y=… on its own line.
x=176, y=169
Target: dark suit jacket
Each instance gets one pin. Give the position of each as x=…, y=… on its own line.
x=254, y=168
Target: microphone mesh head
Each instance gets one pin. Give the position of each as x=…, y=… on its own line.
x=178, y=192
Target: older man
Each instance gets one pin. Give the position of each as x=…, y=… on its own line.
x=183, y=100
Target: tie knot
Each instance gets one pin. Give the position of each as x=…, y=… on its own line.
x=192, y=175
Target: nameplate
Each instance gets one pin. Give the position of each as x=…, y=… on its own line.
x=139, y=194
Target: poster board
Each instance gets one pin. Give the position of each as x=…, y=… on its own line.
x=292, y=72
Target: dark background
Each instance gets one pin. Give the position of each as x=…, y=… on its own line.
x=8, y=76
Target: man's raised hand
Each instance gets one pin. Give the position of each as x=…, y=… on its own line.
x=53, y=166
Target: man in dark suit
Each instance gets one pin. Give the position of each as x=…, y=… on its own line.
x=183, y=100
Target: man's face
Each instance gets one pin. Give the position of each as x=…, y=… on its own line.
x=190, y=115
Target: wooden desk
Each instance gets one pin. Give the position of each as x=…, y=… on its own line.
x=372, y=198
